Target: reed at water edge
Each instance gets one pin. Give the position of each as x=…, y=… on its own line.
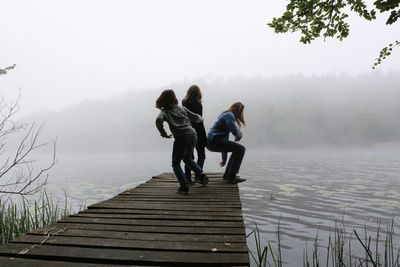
x=20, y=217
x=378, y=250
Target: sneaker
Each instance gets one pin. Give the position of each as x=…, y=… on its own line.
x=190, y=183
x=204, y=178
x=239, y=180
x=198, y=180
x=183, y=190
x=226, y=177
x=201, y=179
x=235, y=179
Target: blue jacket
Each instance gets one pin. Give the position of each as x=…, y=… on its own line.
x=224, y=125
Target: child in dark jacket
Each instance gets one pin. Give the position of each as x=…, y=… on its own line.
x=192, y=102
x=179, y=120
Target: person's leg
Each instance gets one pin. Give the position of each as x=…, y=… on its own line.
x=187, y=157
x=188, y=171
x=178, y=150
x=201, y=154
x=228, y=169
x=200, y=177
x=236, y=157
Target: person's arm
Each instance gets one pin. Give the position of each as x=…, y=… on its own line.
x=160, y=125
x=193, y=117
x=230, y=122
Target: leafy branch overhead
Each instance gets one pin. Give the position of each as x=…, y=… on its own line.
x=385, y=52
x=316, y=18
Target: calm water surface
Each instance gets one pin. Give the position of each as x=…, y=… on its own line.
x=305, y=192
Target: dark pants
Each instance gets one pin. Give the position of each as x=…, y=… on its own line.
x=201, y=157
x=235, y=160
x=183, y=150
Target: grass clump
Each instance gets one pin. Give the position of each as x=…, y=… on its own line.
x=343, y=249
x=18, y=218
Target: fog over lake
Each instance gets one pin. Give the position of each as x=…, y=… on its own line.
x=294, y=112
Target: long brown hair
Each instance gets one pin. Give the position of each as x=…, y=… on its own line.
x=193, y=94
x=167, y=99
x=237, y=110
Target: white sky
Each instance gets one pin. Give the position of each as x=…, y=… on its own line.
x=68, y=51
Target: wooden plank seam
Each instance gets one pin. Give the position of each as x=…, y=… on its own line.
x=44, y=240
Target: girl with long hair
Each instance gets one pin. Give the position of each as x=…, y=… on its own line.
x=218, y=139
x=192, y=102
x=179, y=120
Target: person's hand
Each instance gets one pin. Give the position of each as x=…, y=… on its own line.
x=168, y=136
x=237, y=139
x=222, y=164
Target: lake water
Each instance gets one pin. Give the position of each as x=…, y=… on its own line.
x=305, y=192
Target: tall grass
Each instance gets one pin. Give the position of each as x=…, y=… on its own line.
x=342, y=249
x=18, y=218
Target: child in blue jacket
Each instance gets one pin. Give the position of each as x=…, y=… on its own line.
x=218, y=141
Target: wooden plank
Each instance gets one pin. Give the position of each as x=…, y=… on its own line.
x=161, y=223
x=159, y=200
x=237, y=213
x=122, y=256
x=215, y=185
x=132, y=244
x=23, y=262
x=172, y=191
x=176, y=203
x=217, y=182
x=150, y=206
x=172, y=199
x=140, y=236
x=157, y=217
x=198, y=188
x=192, y=196
x=156, y=229
x=221, y=187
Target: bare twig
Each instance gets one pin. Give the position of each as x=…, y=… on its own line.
x=17, y=173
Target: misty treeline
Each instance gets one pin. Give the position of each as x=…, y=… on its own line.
x=292, y=112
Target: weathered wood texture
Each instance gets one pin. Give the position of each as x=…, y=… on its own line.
x=146, y=225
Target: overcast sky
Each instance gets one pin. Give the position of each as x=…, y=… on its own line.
x=68, y=51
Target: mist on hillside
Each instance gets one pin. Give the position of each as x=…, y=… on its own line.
x=294, y=112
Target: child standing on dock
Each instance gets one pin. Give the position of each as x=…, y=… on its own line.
x=192, y=102
x=218, y=138
x=179, y=120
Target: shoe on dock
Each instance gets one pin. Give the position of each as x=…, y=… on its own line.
x=201, y=179
x=183, y=190
x=235, y=179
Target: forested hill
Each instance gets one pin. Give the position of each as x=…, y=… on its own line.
x=292, y=112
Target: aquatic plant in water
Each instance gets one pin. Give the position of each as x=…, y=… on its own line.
x=22, y=217
x=380, y=250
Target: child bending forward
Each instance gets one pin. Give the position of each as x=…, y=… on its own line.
x=179, y=120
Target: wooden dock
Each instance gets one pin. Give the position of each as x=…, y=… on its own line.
x=146, y=225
